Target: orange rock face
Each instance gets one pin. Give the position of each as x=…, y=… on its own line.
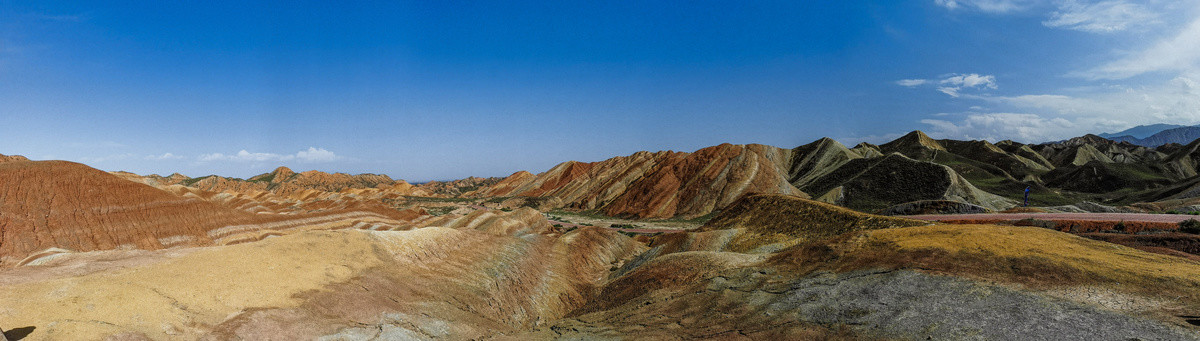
x=60, y=204
x=69, y=205
x=657, y=185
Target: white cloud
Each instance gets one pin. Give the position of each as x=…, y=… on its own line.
x=212, y=157
x=1050, y=117
x=164, y=156
x=1165, y=50
x=312, y=154
x=244, y=155
x=953, y=83
x=1180, y=53
x=1177, y=100
x=991, y=6
x=952, y=91
x=1000, y=126
x=971, y=80
x=911, y=82
x=1100, y=17
x=316, y=155
x=951, y=4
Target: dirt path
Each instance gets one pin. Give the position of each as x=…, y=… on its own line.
x=623, y=229
x=577, y=221
x=1141, y=217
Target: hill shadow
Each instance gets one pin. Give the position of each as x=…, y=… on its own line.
x=18, y=333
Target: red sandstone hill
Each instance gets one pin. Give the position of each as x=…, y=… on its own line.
x=60, y=204
x=657, y=185
x=69, y=205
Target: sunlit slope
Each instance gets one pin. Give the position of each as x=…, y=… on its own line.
x=466, y=282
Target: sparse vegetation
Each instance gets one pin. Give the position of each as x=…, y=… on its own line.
x=435, y=199
x=439, y=211
x=1120, y=227
x=496, y=200
x=697, y=220
x=266, y=178
x=594, y=214
x=1190, y=226
x=1035, y=222
x=193, y=181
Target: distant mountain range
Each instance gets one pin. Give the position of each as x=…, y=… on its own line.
x=1141, y=132
x=1155, y=135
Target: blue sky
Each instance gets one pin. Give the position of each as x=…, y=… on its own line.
x=449, y=89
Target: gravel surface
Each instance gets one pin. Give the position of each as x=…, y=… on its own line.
x=912, y=305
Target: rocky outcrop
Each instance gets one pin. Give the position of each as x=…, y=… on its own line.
x=657, y=185
x=915, y=145
x=12, y=158
x=866, y=150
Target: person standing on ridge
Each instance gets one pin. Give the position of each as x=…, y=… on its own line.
x=1026, y=196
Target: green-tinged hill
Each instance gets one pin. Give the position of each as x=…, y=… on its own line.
x=876, y=183
x=767, y=219
x=1101, y=177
